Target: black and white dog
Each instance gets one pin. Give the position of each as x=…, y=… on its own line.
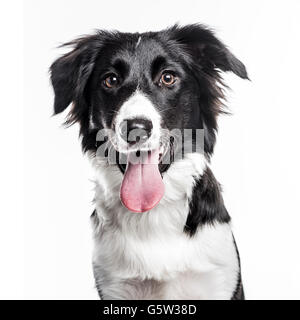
x=161, y=229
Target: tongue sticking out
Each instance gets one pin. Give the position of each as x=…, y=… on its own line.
x=142, y=187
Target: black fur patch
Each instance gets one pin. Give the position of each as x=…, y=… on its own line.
x=206, y=204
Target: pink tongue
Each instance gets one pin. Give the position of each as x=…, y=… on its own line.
x=142, y=187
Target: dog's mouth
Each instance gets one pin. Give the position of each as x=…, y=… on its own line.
x=142, y=186
x=143, y=166
x=163, y=164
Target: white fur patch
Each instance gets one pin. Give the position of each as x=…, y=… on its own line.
x=147, y=255
x=138, y=42
x=91, y=121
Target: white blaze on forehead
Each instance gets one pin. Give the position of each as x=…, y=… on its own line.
x=139, y=106
x=138, y=42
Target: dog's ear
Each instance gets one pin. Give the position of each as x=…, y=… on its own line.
x=70, y=73
x=209, y=51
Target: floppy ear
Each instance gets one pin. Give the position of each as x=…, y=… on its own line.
x=210, y=51
x=70, y=73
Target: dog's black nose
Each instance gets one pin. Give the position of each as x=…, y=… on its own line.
x=136, y=130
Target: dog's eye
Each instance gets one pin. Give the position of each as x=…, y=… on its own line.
x=111, y=81
x=167, y=79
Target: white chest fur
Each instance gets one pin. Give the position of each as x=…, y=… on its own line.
x=147, y=255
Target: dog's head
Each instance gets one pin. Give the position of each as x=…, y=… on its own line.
x=143, y=90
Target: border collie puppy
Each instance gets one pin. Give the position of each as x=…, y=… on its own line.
x=161, y=229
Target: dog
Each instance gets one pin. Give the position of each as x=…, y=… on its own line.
x=160, y=227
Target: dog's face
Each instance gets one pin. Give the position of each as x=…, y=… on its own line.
x=142, y=87
x=140, y=91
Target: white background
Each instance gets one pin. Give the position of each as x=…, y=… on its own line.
x=46, y=194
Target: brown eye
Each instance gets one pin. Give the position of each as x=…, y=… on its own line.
x=167, y=79
x=111, y=81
